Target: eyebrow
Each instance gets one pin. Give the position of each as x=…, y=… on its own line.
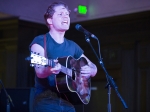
x=62, y=11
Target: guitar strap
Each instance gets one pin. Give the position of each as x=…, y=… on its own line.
x=45, y=51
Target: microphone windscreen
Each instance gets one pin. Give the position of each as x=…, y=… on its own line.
x=77, y=26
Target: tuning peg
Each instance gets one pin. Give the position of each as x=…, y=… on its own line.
x=32, y=65
x=28, y=58
x=38, y=65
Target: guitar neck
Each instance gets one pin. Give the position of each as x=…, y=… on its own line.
x=64, y=70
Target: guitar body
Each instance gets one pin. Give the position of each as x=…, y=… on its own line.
x=76, y=88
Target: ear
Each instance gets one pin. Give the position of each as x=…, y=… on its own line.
x=49, y=21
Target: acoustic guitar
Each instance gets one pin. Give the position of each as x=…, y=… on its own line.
x=69, y=82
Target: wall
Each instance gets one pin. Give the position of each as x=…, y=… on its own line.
x=34, y=10
x=8, y=51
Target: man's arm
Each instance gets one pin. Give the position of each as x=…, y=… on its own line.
x=42, y=71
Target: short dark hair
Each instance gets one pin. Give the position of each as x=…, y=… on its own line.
x=50, y=10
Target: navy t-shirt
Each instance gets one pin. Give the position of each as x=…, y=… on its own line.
x=54, y=51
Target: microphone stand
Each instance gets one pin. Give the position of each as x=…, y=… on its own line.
x=8, y=98
x=110, y=81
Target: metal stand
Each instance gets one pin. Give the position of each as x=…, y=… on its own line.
x=8, y=105
x=110, y=81
x=9, y=100
x=109, y=104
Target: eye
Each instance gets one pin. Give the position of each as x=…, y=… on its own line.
x=60, y=14
x=68, y=14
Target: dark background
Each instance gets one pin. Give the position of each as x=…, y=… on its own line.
x=124, y=46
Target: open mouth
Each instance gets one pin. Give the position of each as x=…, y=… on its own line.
x=65, y=22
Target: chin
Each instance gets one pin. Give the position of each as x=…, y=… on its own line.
x=67, y=28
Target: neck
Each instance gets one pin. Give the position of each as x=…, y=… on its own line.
x=57, y=36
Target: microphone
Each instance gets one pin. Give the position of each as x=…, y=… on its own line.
x=81, y=29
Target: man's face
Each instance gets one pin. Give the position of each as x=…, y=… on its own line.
x=60, y=19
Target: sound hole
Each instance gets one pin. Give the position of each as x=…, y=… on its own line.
x=73, y=74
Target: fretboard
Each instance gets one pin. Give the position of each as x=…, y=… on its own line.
x=64, y=70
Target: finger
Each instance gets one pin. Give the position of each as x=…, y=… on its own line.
x=55, y=61
x=86, y=66
x=56, y=72
x=58, y=65
x=54, y=69
x=85, y=71
x=85, y=75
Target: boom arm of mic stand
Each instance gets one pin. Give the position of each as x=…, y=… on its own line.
x=109, y=78
x=88, y=41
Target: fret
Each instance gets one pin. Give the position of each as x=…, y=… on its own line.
x=50, y=62
x=66, y=71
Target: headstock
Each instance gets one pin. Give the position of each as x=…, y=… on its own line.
x=36, y=59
